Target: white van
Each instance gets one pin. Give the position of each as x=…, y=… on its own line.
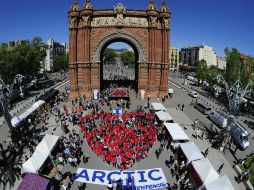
x=193, y=94
x=218, y=119
x=239, y=135
x=191, y=78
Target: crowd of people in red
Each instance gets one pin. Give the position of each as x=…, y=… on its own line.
x=120, y=140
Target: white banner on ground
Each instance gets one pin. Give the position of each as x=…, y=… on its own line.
x=138, y=179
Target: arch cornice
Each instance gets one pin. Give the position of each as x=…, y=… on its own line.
x=142, y=54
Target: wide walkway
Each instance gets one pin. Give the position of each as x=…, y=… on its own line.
x=216, y=157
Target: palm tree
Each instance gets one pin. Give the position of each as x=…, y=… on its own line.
x=10, y=163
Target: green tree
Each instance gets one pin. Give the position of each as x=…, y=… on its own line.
x=109, y=55
x=128, y=57
x=10, y=164
x=24, y=59
x=234, y=63
x=212, y=73
x=60, y=62
x=201, y=71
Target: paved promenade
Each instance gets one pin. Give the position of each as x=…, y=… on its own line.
x=216, y=157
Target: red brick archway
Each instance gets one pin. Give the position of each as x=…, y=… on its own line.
x=147, y=31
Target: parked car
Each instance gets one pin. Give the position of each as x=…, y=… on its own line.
x=203, y=108
x=193, y=94
x=218, y=119
x=239, y=135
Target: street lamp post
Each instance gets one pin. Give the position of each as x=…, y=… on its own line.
x=235, y=96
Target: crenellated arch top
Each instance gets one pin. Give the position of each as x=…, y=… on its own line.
x=119, y=36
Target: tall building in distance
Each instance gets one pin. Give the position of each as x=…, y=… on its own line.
x=16, y=43
x=192, y=54
x=221, y=63
x=174, y=59
x=54, y=49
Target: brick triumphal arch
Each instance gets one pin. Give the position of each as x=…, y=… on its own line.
x=147, y=31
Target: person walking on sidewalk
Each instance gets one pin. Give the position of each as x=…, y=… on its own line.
x=206, y=152
x=220, y=168
x=202, y=135
x=197, y=133
x=182, y=107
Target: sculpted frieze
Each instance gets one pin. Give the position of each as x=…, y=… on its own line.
x=119, y=20
x=166, y=23
x=72, y=21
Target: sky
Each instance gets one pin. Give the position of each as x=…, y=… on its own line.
x=216, y=23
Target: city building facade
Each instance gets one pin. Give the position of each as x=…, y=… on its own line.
x=16, y=43
x=174, y=58
x=54, y=49
x=221, y=63
x=192, y=54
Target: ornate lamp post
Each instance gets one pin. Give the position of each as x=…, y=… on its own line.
x=5, y=96
x=235, y=96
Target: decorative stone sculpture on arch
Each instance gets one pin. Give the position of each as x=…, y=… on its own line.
x=146, y=30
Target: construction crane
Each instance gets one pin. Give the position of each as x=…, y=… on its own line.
x=8, y=94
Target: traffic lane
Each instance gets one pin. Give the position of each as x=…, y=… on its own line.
x=211, y=100
x=182, y=97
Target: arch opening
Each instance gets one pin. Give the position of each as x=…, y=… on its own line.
x=119, y=64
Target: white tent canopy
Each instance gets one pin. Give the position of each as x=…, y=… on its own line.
x=34, y=107
x=205, y=170
x=47, y=144
x=34, y=163
x=42, y=151
x=164, y=116
x=38, y=104
x=176, y=132
x=221, y=183
x=191, y=151
x=16, y=120
x=158, y=106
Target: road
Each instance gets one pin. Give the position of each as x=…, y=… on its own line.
x=150, y=162
x=193, y=114
x=21, y=106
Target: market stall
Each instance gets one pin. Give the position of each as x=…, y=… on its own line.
x=164, y=117
x=176, y=134
x=189, y=152
x=33, y=181
x=158, y=106
x=202, y=172
x=221, y=183
x=40, y=155
x=119, y=93
x=17, y=120
x=47, y=144
x=34, y=163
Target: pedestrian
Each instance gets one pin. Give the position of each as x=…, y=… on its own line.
x=82, y=186
x=220, y=168
x=202, y=135
x=63, y=186
x=206, y=152
x=182, y=107
x=197, y=133
x=195, y=123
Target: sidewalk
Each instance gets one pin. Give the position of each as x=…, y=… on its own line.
x=216, y=158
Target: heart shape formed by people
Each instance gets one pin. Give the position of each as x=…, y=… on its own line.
x=120, y=140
